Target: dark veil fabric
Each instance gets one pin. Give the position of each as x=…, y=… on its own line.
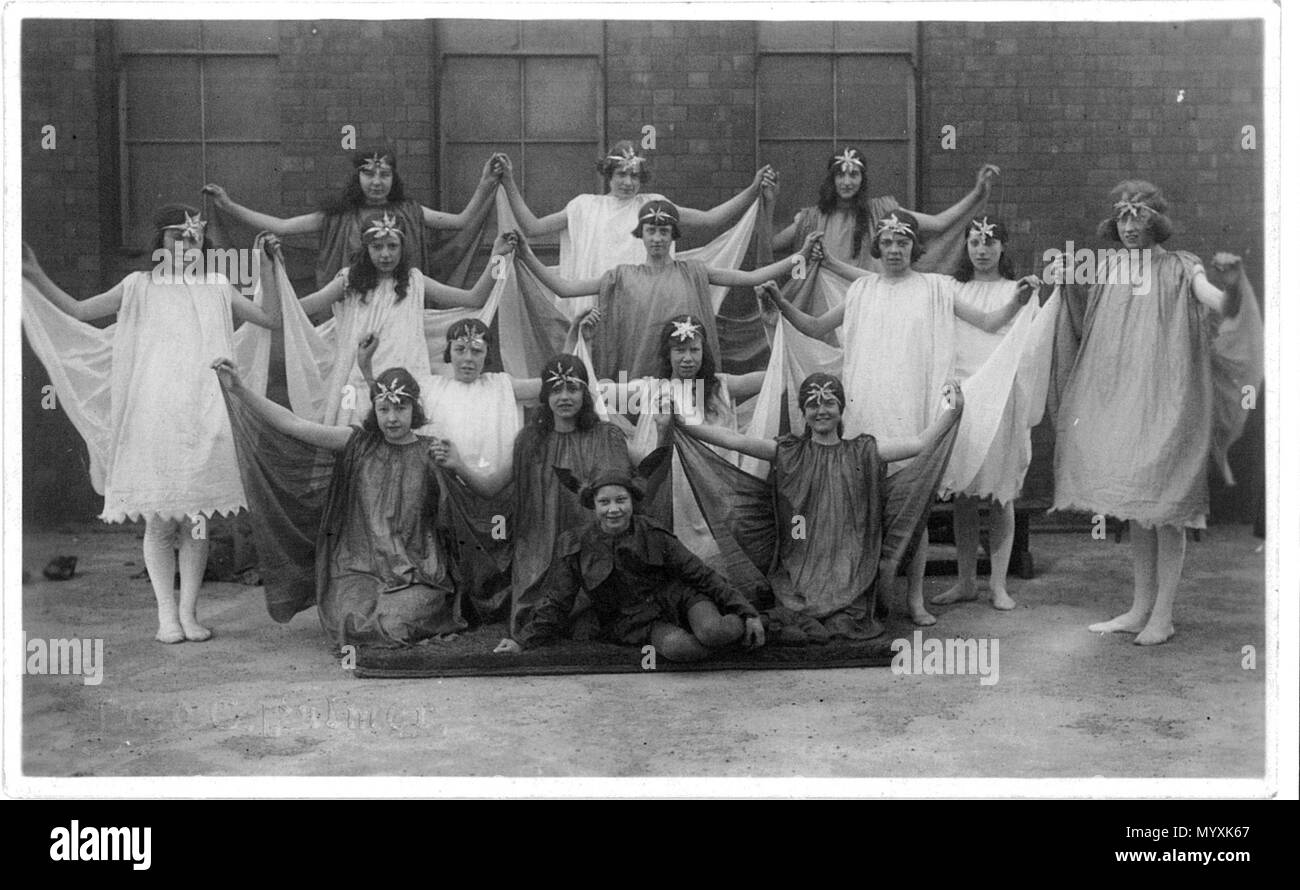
x=741, y=511
x=287, y=483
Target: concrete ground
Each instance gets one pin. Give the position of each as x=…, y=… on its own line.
x=268, y=699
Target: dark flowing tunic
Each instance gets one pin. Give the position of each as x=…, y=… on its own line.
x=352, y=532
x=545, y=507
x=634, y=303
x=635, y=579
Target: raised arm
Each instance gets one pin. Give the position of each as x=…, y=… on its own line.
x=816, y=326
x=744, y=386
x=268, y=315
x=294, y=225
x=933, y=223
x=478, y=202
x=100, y=306
x=562, y=287
x=726, y=213
x=1227, y=301
x=529, y=224
x=484, y=483
x=781, y=268
x=993, y=320
x=911, y=446
x=528, y=389
x=335, y=438
x=325, y=297
x=763, y=449
x=442, y=296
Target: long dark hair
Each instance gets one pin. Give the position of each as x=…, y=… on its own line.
x=1006, y=267
x=352, y=197
x=532, y=436
x=708, y=370
x=363, y=277
x=828, y=198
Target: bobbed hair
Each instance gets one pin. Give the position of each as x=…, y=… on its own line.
x=918, y=247
x=1138, y=190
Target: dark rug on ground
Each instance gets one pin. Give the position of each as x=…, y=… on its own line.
x=470, y=654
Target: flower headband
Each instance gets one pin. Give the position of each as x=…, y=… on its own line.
x=377, y=163
x=563, y=375
x=848, y=161
x=394, y=393
x=1129, y=207
x=384, y=226
x=471, y=338
x=684, y=330
x=192, y=227
x=659, y=216
x=985, y=229
x=893, y=225
x=628, y=159
x=822, y=392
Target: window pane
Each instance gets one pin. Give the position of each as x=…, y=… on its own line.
x=795, y=35
x=478, y=37
x=135, y=36
x=877, y=36
x=462, y=165
x=162, y=98
x=802, y=166
x=555, y=174
x=888, y=170
x=254, y=36
x=247, y=170
x=241, y=98
x=480, y=98
x=794, y=96
x=565, y=36
x=874, y=95
x=560, y=98
x=161, y=174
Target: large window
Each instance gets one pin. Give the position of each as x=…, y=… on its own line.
x=198, y=104
x=531, y=89
x=824, y=85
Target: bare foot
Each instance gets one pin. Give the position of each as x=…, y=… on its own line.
x=1128, y=623
x=170, y=634
x=1154, y=635
x=1002, y=600
x=959, y=593
x=922, y=618
x=195, y=632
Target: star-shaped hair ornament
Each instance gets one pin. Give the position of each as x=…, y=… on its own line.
x=1131, y=206
x=394, y=392
x=895, y=226
x=471, y=338
x=563, y=375
x=628, y=159
x=192, y=228
x=659, y=216
x=984, y=229
x=821, y=392
x=384, y=226
x=849, y=160
x=376, y=163
x=684, y=330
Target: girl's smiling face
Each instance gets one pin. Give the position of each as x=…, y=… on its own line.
x=1135, y=229
x=566, y=400
x=385, y=253
x=394, y=419
x=823, y=416
x=613, y=504
x=847, y=185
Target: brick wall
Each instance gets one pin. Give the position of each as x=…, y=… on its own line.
x=1069, y=109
